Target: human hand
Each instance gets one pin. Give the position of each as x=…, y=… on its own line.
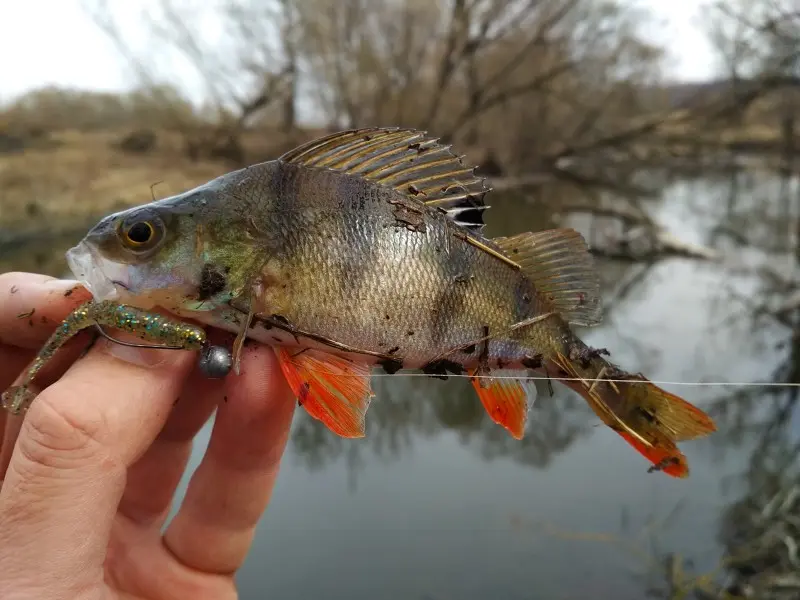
x=87, y=478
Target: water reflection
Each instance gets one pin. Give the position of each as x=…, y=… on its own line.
x=759, y=228
x=759, y=530
x=409, y=409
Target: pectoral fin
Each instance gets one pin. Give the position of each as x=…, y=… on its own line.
x=331, y=389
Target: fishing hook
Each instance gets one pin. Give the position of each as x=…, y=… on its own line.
x=110, y=338
x=215, y=361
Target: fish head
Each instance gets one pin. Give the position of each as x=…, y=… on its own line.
x=137, y=256
x=189, y=251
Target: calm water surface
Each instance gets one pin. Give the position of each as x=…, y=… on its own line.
x=438, y=502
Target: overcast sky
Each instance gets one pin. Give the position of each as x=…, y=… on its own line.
x=46, y=42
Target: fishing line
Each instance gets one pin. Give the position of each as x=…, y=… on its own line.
x=543, y=378
x=770, y=384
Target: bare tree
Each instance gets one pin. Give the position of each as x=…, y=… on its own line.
x=758, y=44
x=250, y=63
x=542, y=84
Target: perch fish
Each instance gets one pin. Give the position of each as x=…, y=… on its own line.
x=365, y=249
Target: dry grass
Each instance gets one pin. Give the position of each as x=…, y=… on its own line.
x=64, y=178
x=83, y=174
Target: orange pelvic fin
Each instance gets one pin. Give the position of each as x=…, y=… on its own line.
x=507, y=400
x=330, y=388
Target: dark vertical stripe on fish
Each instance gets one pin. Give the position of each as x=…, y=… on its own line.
x=357, y=269
x=524, y=295
x=456, y=275
x=286, y=188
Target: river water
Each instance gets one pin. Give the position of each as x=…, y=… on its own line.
x=438, y=502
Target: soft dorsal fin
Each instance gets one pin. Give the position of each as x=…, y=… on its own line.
x=560, y=265
x=407, y=160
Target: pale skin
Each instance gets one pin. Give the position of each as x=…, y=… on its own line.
x=87, y=477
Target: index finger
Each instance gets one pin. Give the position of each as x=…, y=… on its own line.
x=32, y=305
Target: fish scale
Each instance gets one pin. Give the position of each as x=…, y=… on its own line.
x=369, y=269
x=365, y=248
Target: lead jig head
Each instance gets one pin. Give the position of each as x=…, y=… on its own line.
x=215, y=361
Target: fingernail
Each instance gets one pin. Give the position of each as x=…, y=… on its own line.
x=146, y=357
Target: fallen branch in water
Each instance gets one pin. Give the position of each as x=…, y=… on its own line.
x=629, y=214
x=644, y=239
x=670, y=244
x=762, y=532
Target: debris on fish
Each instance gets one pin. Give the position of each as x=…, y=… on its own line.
x=364, y=249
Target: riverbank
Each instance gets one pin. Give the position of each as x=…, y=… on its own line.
x=60, y=181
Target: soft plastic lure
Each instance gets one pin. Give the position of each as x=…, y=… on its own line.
x=153, y=327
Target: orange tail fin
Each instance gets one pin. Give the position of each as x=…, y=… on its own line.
x=650, y=419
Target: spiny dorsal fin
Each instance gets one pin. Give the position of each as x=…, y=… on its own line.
x=560, y=265
x=407, y=160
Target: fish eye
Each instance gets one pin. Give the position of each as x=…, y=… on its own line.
x=141, y=234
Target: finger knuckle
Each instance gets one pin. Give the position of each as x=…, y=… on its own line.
x=57, y=433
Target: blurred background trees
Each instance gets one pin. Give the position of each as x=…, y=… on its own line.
x=532, y=86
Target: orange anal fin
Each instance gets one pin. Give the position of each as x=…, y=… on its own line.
x=663, y=454
x=506, y=400
x=331, y=389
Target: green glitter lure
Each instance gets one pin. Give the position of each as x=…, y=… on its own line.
x=153, y=327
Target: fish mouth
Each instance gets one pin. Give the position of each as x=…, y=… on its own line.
x=105, y=279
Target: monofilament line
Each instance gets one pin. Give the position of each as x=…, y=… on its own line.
x=553, y=378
